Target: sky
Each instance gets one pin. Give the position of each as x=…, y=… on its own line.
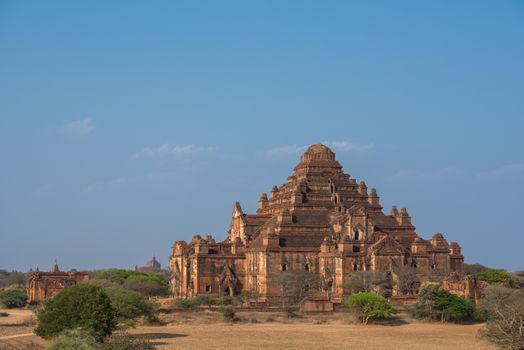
x=128, y=125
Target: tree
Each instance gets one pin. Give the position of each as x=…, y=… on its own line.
x=294, y=285
x=495, y=276
x=518, y=279
x=369, y=281
x=505, y=316
x=129, y=305
x=407, y=279
x=149, y=284
x=84, y=306
x=473, y=269
x=13, y=296
x=11, y=278
x=438, y=304
x=368, y=306
x=452, y=307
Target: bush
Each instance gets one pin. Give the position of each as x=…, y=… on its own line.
x=129, y=305
x=84, y=306
x=126, y=343
x=504, y=308
x=13, y=297
x=74, y=339
x=368, y=306
x=225, y=300
x=495, y=276
x=186, y=304
x=228, y=313
x=4, y=314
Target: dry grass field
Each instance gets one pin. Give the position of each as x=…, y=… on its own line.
x=206, y=330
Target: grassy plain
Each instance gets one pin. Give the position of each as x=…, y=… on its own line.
x=260, y=330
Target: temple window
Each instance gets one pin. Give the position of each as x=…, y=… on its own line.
x=208, y=288
x=357, y=235
x=356, y=249
x=355, y=267
x=306, y=267
x=433, y=266
x=284, y=267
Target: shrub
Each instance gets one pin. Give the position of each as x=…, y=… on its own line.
x=495, y=276
x=13, y=297
x=129, y=305
x=4, y=314
x=73, y=339
x=126, y=342
x=228, y=313
x=505, y=316
x=186, y=304
x=84, y=306
x=206, y=300
x=368, y=306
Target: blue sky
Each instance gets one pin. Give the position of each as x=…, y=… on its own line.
x=126, y=125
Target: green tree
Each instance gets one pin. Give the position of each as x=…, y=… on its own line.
x=438, y=304
x=452, y=307
x=149, y=284
x=368, y=306
x=495, y=276
x=13, y=296
x=129, y=305
x=84, y=306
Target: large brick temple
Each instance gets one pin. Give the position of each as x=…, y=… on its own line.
x=321, y=220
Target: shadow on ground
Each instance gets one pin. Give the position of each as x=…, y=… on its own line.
x=154, y=337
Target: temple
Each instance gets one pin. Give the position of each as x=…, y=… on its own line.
x=43, y=285
x=321, y=220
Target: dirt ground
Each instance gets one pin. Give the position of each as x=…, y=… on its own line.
x=206, y=330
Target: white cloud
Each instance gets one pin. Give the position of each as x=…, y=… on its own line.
x=510, y=169
x=346, y=146
x=284, y=151
x=337, y=146
x=81, y=127
x=166, y=150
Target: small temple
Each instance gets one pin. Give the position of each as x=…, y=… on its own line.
x=43, y=285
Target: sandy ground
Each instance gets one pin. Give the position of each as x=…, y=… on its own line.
x=311, y=336
x=207, y=331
